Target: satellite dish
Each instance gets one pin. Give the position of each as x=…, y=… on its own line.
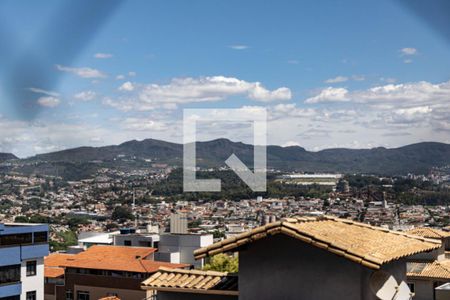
x=383, y=285
x=403, y=292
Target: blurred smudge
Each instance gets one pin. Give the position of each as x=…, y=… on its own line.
x=67, y=33
x=435, y=13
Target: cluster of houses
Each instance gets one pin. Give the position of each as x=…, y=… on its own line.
x=319, y=257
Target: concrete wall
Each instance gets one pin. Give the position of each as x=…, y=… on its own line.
x=192, y=296
x=443, y=292
x=185, y=244
x=32, y=283
x=281, y=267
x=136, y=240
x=436, y=254
x=423, y=289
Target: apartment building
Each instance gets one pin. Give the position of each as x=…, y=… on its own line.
x=101, y=271
x=22, y=251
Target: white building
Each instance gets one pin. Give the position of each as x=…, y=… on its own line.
x=22, y=251
x=88, y=239
x=131, y=237
x=179, y=248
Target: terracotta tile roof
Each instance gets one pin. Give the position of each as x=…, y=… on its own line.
x=113, y=258
x=368, y=245
x=57, y=259
x=110, y=298
x=434, y=270
x=119, y=252
x=429, y=232
x=53, y=272
x=53, y=263
x=197, y=281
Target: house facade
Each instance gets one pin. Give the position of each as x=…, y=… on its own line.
x=428, y=271
x=101, y=271
x=321, y=258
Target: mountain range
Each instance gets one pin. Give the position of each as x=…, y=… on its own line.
x=7, y=156
x=415, y=158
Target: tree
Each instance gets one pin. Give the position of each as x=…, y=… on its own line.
x=75, y=221
x=223, y=263
x=21, y=219
x=122, y=214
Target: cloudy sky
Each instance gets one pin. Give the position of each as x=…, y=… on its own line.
x=351, y=73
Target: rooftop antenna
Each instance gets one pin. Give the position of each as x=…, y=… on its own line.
x=134, y=209
x=385, y=287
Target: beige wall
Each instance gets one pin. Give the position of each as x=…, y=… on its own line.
x=98, y=292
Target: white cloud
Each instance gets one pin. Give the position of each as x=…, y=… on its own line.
x=126, y=86
x=214, y=88
x=120, y=77
x=329, y=94
x=291, y=110
x=238, y=47
x=404, y=94
x=84, y=72
x=120, y=105
x=293, y=62
x=143, y=124
x=337, y=79
x=132, y=74
x=408, y=51
x=85, y=95
x=407, y=61
x=48, y=101
x=45, y=92
x=414, y=110
x=291, y=144
x=103, y=55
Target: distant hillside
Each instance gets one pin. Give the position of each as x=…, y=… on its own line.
x=7, y=156
x=416, y=158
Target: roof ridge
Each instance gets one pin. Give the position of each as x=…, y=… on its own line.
x=288, y=227
x=193, y=271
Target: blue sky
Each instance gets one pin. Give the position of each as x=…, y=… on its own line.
x=354, y=74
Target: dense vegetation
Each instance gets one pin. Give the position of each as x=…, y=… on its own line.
x=233, y=188
x=223, y=263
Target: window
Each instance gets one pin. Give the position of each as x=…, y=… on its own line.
x=16, y=239
x=9, y=274
x=411, y=287
x=40, y=237
x=31, y=295
x=31, y=268
x=69, y=295
x=127, y=243
x=112, y=294
x=11, y=298
x=82, y=295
